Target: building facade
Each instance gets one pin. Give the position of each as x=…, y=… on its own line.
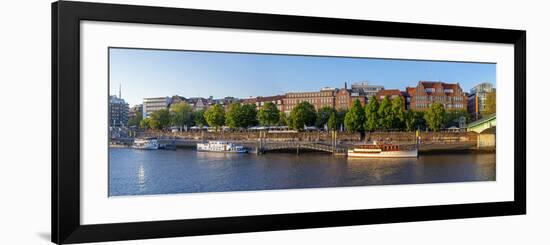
x=198, y=103
x=390, y=93
x=368, y=90
x=345, y=97
x=118, y=112
x=175, y=99
x=133, y=112
x=151, y=105
x=478, y=97
x=323, y=98
x=259, y=101
x=426, y=93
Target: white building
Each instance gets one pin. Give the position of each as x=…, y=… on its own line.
x=151, y=105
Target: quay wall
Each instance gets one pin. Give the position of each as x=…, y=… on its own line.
x=428, y=137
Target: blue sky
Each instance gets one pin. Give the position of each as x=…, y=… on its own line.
x=156, y=73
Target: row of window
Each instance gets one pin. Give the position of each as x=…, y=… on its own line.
x=431, y=90
x=309, y=95
x=311, y=101
x=427, y=105
x=439, y=98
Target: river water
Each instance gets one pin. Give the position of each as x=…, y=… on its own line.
x=141, y=172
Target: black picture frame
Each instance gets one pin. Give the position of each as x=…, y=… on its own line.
x=65, y=169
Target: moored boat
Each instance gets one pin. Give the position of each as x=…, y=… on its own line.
x=146, y=144
x=376, y=150
x=221, y=146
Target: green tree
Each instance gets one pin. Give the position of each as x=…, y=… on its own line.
x=249, y=116
x=490, y=104
x=145, y=123
x=283, y=119
x=355, y=118
x=159, y=119
x=435, y=116
x=215, y=116
x=414, y=120
x=371, y=115
x=135, y=121
x=332, y=123
x=241, y=116
x=181, y=114
x=398, y=112
x=385, y=116
x=340, y=116
x=323, y=115
x=233, y=115
x=199, y=119
x=303, y=114
x=452, y=117
x=268, y=114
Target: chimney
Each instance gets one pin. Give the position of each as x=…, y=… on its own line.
x=345, y=85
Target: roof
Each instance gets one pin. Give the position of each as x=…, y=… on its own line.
x=430, y=84
x=263, y=99
x=389, y=92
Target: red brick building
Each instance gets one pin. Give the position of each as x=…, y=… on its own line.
x=320, y=99
x=345, y=97
x=259, y=101
x=425, y=93
x=391, y=93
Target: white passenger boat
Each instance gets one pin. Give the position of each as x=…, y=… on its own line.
x=146, y=144
x=376, y=150
x=220, y=146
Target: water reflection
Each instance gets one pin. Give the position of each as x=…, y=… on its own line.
x=188, y=171
x=141, y=177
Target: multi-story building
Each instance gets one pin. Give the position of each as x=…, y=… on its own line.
x=478, y=97
x=345, y=97
x=390, y=93
x=176, y=99
x=133, y=112
x=368, y=90
x=198, y=103
x=425, y=93
x=118, y=112
x=151, y=105
x=319, y=99
x=259, y=101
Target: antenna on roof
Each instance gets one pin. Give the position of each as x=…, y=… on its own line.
x=120, y=90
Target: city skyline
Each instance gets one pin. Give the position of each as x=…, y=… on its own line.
x=200, y=74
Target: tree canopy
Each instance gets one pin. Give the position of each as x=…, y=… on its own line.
x=397, y=112
x=283, y=119
x=355, y=118
x=323, y=115
x=135, y=121
x=181, y=114
x=490, y=104
x=199, y=119
x=385, y=116
x=240, y=116
x=435, y=116
x=269, y=114
x=414, y=120
x=452, y=117
x=159, y=119
x=371, y=115
x=215, y=116
x=303, y=114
